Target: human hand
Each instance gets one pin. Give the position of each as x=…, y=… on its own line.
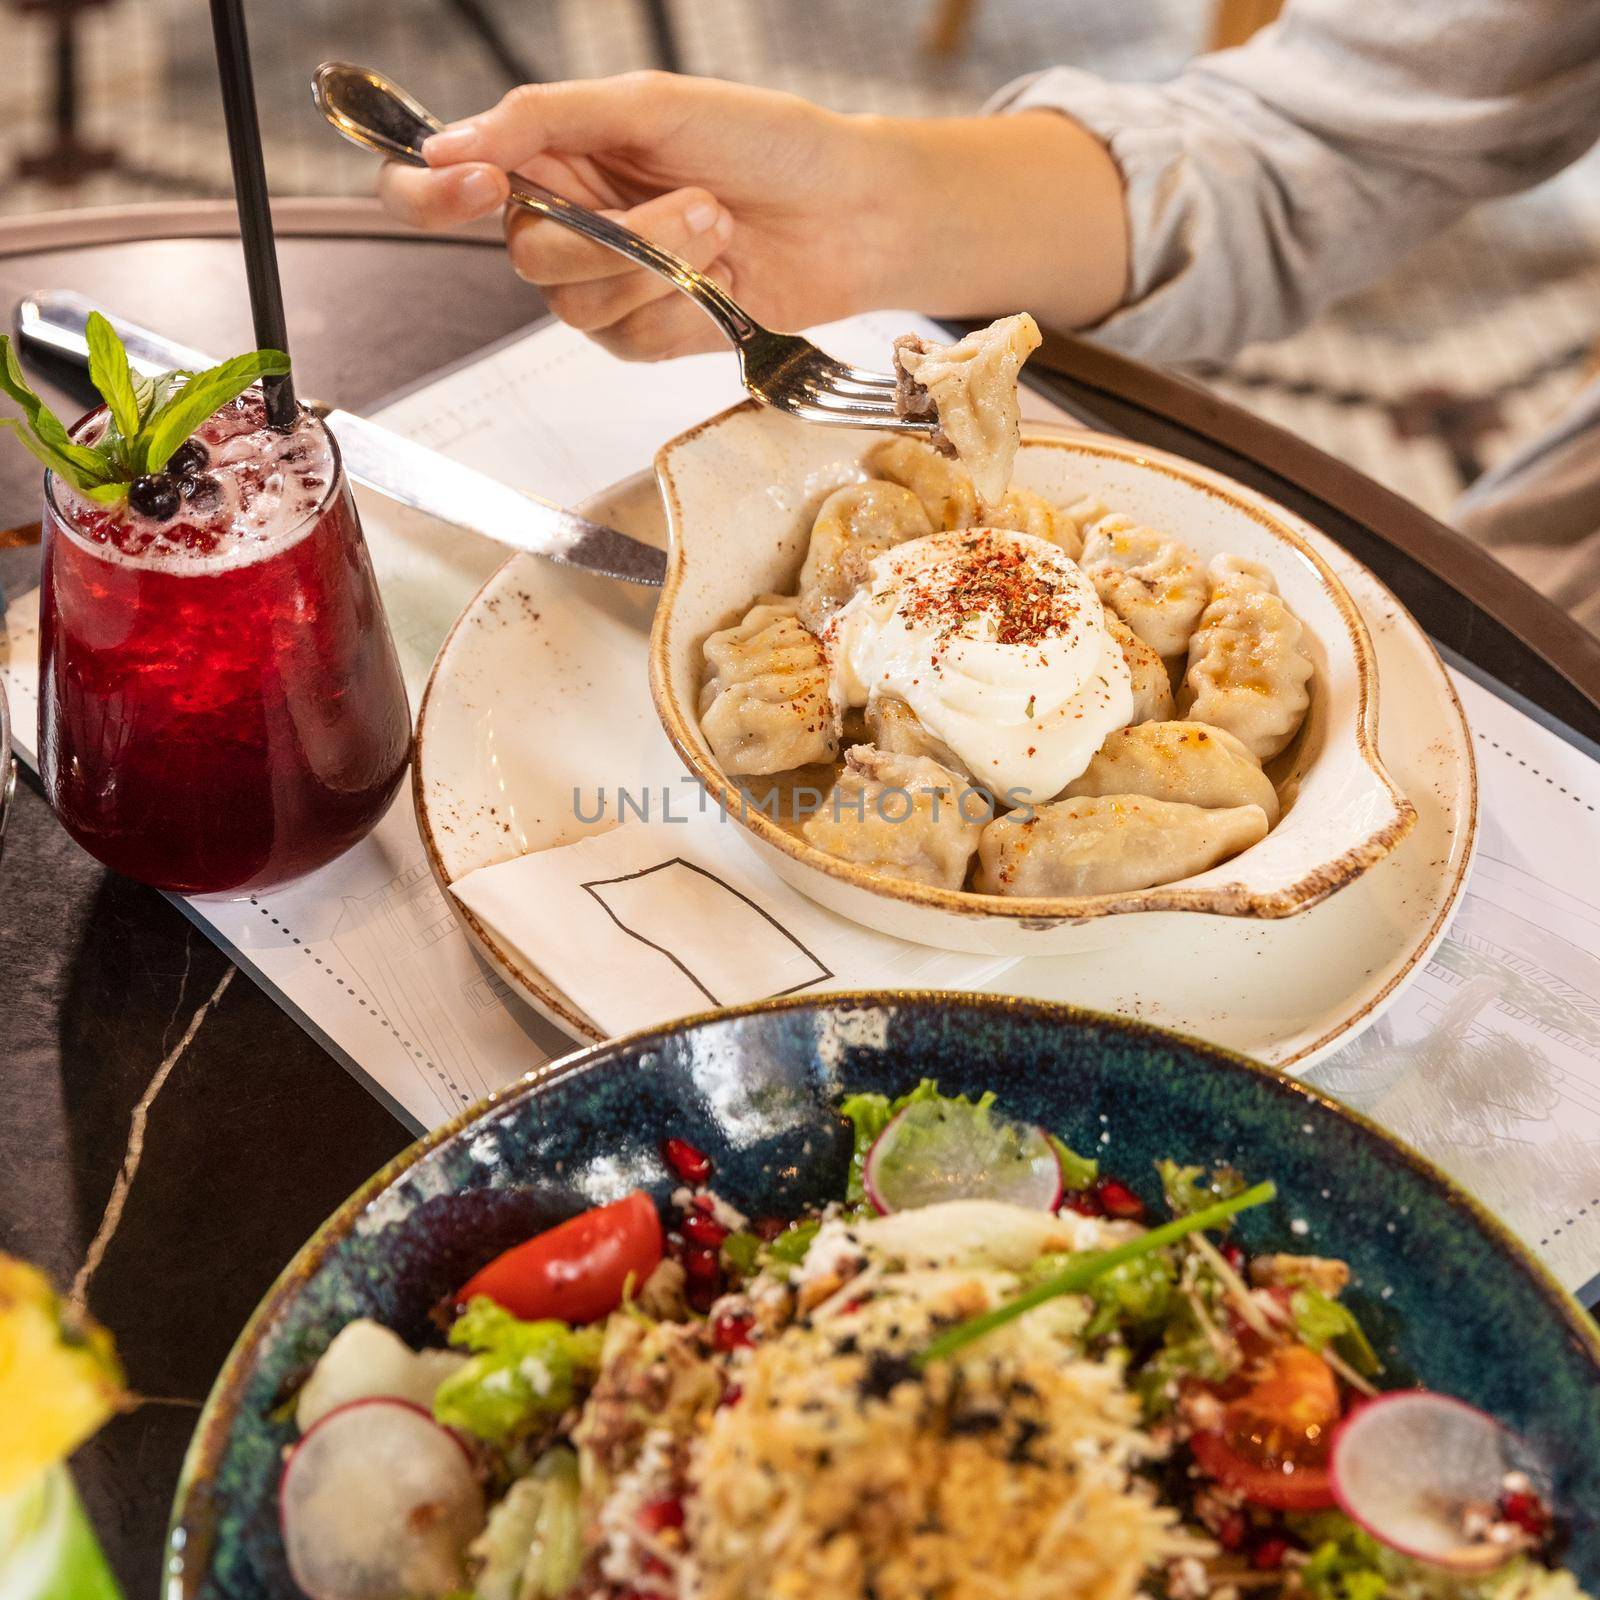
x=763, y=191
x=805, y=215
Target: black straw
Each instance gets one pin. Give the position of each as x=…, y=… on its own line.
x=250, y=194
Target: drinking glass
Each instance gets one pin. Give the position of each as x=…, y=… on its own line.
x=220, y=719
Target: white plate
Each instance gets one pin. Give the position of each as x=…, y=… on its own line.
x=539, y=695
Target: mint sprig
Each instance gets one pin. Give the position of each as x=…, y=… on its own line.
x=149, y=418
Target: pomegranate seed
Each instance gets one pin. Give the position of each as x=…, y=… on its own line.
x=1268, y=1555
x=1233, y=1254
x=690, y=1164
x=1118, y=1200
x=1231, y=1535
x=766, y=1229
x=1526, y=1510
x=701, y=1264
x=1084, y=1202
x=731, y=1332
x=732, y=1395
x=661, y=1514
x=703, y=1231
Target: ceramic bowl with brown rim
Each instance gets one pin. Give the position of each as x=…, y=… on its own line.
x=741, y=491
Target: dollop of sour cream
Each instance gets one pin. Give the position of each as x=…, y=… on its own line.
x=998, y=642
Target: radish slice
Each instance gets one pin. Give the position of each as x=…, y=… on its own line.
x=1412, y=1468
x=378, y=1502
x=939, y=1150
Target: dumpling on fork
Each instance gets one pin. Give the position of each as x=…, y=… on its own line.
x=970, y=390
x=764, y=705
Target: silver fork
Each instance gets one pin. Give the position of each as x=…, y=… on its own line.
x=781, y=370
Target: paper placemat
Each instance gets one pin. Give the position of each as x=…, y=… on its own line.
x=1490, y=1062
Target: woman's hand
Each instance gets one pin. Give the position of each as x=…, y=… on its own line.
x=804, y=214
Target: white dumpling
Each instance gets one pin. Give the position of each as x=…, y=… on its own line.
x=904, y=816
x=894, y=728
x=945, y=491
x=764, y=706
x=1154, y=583
x=1247, y=673
x=1152, y=687
x=1023, y=511
x=1185, y=762
x=970, y=389
x=854, y=525
x=1109, y=844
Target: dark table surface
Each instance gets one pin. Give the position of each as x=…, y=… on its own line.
x=112, y=1004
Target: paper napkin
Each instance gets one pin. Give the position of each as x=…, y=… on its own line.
x=652, y=920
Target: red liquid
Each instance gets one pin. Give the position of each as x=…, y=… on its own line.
x=207, y=731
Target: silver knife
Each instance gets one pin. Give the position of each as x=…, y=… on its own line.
x=396, y=466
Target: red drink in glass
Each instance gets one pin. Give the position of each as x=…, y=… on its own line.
x=221, y=708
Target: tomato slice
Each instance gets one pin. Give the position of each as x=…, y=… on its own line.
x=1273, y=1443
x=578, y=1270
x=1278, y=1487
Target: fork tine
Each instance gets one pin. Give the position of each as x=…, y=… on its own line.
x=873, y=380
x=830, y=399
x=808, y=410
x=852, y=379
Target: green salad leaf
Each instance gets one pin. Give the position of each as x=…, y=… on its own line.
x=1346, y=1563
x=1077, y=1172
x=521, y=1376
x=1191, y=1189
x=870, y=1114
x=1321, y=1321
x=532, y=1547
x=149, y=418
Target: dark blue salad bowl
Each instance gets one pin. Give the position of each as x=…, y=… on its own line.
x=1450, y=1298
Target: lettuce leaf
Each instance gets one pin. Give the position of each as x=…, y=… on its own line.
x=1347, y=1563
x=870, y=1114
x=1191, y=1189
x=532, y=1547
x=1321, y=1321
x=522, y=1375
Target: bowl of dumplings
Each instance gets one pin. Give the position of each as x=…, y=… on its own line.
x=1121, y=688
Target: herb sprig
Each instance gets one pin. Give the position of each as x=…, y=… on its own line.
x=149, y=417
x=1087, y=1268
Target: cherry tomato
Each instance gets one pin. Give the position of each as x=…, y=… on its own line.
x=1273, y=1443
x=576, y=1271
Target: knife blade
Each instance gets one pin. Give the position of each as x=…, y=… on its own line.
x=416, y=476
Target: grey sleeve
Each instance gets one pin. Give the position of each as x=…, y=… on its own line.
x=1264, y=182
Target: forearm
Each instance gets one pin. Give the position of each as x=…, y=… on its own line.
x=977, y=216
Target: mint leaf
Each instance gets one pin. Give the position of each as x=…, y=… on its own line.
x=110, y=373
x=53, y=460
x=47, y=428
x=203, y=394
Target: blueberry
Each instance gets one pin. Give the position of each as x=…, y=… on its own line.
x=189, y=458
x=155, y=496
x=202, y=491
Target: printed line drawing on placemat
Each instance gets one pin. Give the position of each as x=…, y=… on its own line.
x=742, y=952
